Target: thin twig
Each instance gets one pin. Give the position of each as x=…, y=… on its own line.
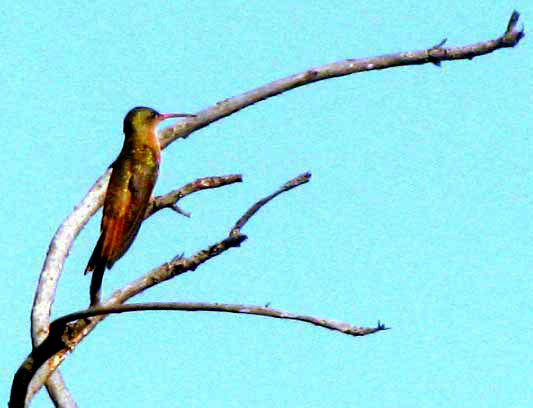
x=295, y=182
x=170, y=199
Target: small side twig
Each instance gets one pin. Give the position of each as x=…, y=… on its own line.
x=170, y=199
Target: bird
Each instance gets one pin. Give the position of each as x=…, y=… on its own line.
x=133, y=177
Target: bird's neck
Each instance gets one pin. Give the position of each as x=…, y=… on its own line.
x=143, y=146
x=143, y=138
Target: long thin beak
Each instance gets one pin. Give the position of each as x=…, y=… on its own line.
x=164, y=116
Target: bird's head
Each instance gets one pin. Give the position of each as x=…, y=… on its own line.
x=141, y=119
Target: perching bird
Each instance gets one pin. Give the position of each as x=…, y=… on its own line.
x=133, y=177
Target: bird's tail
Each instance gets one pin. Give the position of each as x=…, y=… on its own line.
x=96, y=284
x=97, y=264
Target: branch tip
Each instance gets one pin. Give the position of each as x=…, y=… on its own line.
x=301, y=179
x=513, y=20
x=180, y=211
x=513, y=35
x=381, y=326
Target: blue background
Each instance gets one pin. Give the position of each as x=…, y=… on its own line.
x=418, y=212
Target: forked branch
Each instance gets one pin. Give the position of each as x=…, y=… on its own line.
x=63, y=338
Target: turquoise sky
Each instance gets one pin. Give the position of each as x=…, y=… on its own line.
x=418, y=213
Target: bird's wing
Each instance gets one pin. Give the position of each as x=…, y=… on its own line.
x=125, y=208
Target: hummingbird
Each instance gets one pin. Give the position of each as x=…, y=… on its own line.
x=133, y=177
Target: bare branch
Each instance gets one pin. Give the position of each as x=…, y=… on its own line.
x=58, y=391
x=53, y=266
x=434, y=55
x=169, y=200
x=218, y=307
x=60, y=331
x=56, y=256
x=295, y=182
